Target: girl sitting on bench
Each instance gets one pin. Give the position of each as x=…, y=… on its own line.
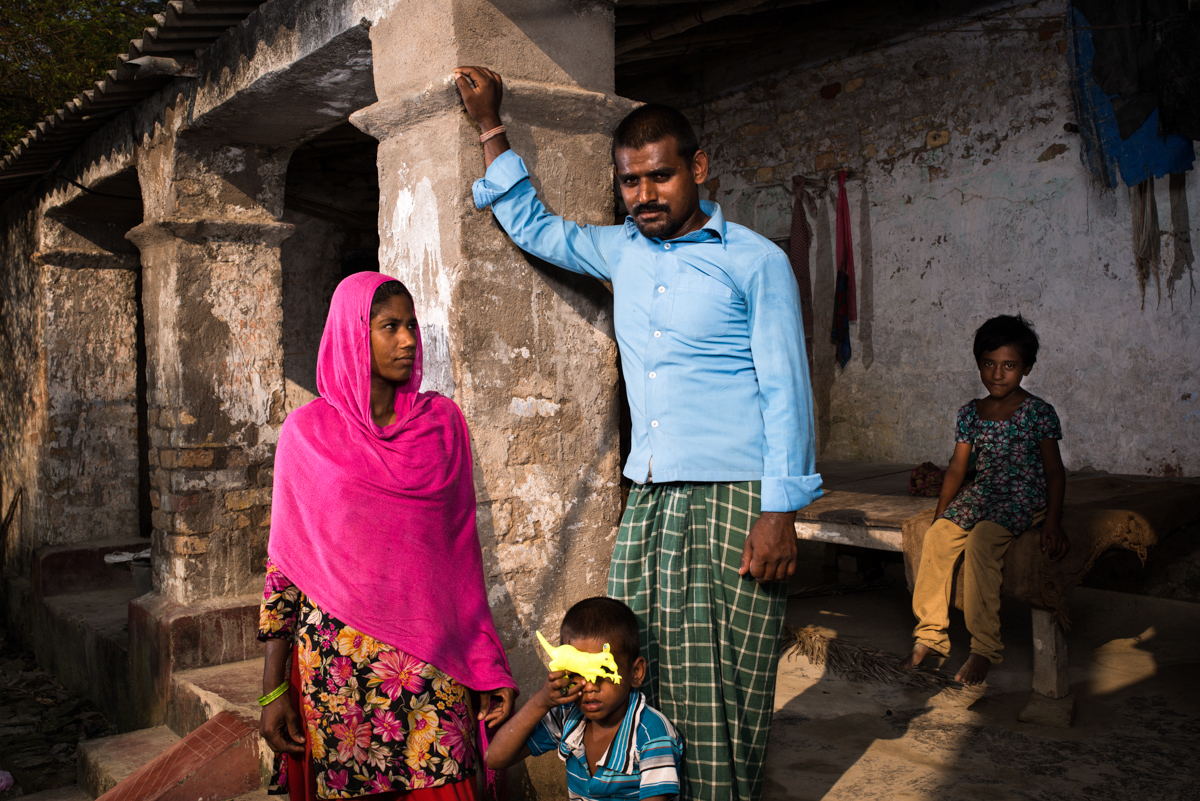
x=1019, y=483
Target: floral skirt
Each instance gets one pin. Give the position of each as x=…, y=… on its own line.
x=376, y=720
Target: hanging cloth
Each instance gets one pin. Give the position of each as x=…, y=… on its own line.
x=1109, y=154
x=1145, y=235
x=845, y=308
x=798, y=246
x=845, y=248
x=1181, y=230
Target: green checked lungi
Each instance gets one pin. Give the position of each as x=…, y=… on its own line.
x=711, y=637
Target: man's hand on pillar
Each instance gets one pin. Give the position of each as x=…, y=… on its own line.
x=482, y=91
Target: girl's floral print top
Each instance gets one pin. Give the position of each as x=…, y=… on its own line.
x=376, y=718
x=1010, y=486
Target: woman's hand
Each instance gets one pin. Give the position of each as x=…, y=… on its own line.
x=497, y=706
x=281, y=727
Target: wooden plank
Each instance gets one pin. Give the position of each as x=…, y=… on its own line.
x=856, y=508
x=879, y=539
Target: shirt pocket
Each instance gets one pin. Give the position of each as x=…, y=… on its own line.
x=703, y=307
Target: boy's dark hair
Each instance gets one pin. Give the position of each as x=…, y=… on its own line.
x=607, y=619
x=386, y=291
x=1007, y=330
x=652, y=123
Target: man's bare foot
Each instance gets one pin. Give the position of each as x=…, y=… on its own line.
x=919, y=652
x=973, y=671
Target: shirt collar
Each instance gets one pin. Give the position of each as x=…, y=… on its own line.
x=619, y=758
x=715, y=227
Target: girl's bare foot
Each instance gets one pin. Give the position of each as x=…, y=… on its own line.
x=919, y=652
x=973, y=671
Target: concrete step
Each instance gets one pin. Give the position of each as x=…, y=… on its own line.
x=216, y=762
x=199, y=695
x=71, y=792
x=82, y=638
x=106, y=761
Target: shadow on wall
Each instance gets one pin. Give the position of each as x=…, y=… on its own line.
x=332, y=197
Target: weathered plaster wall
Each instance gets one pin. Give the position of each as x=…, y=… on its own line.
x=90, y=469
x=967, y=199
x=22, y=387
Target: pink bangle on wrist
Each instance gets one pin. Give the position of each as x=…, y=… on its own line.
x=486, y=135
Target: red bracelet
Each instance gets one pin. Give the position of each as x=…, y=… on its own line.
x=486, y=135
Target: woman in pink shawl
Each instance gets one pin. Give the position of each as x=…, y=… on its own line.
x=375, y=577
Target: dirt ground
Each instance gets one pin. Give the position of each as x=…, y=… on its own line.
x=1135, y=663
x=41, y=724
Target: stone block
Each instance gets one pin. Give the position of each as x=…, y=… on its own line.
x=195, y=457
x=1044, y=711
x=196, y=514
x=168, y=458
x=239, y=500
x=185, y=545
x=194, y=480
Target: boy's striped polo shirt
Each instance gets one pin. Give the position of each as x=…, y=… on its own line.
x=642, y=762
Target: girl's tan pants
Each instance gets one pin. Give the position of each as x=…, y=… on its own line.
x=983, y=550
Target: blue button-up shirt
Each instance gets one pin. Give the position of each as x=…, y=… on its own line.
x=711, y=341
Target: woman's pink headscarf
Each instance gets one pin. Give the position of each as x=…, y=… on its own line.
x=377, y=525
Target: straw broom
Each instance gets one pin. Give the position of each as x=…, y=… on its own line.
x=859, y=663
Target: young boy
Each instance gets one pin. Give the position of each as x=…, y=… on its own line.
x=615, y=746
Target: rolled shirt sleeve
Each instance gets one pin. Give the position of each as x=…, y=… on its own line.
x=507, y=189
x=790, y=480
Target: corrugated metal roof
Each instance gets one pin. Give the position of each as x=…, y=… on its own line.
x=184, y=28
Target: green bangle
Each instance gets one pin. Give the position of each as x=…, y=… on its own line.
x=263, y=700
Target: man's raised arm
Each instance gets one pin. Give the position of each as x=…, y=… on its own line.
x=506, y=187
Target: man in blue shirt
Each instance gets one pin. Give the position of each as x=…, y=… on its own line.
x=707, y=318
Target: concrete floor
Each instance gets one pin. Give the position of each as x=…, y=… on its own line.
x=1135, y=665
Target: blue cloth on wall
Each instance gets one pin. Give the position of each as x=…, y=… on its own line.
x=1143, y=155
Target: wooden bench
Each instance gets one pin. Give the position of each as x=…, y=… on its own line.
x=865, y=505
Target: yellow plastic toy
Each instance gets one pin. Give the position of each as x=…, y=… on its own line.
x=592, y=667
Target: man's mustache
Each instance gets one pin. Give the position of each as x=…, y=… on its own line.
x=651, y=207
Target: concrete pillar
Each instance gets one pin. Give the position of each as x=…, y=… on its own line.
x=526, y=351
x=213, y=310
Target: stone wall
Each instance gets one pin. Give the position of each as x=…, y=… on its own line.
x=224, y=168
x=23, y=388
x=967, y=200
